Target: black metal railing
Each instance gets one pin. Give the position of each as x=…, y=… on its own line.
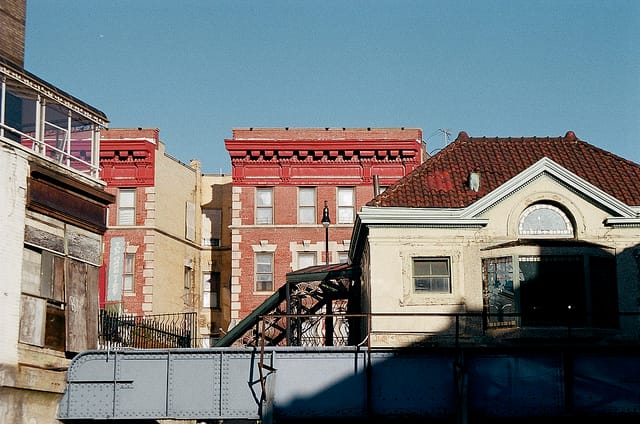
x=449, y=329
x=116, y=330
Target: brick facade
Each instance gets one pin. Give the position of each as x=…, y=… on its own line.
x=283, y=160
x=12, y=30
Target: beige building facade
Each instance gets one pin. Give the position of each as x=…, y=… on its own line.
x=548, y=246
x=168, y=244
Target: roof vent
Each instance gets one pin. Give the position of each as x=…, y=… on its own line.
x=473, y=181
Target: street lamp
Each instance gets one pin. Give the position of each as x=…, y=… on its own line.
x=329, y=308
x=325, y=223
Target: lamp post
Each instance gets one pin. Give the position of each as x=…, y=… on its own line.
x=325, y=223
x=329, y=311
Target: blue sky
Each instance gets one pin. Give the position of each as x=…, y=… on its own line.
x=198, y=69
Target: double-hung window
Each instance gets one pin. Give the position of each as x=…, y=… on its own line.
x=128, y=272
x=211, y=290
x=346, y=205
x=431, y=275
x=264, y=205
x=306, y=205
x=127, y=206
x=264, y=272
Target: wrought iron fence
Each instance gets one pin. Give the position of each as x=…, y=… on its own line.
x=118, y=330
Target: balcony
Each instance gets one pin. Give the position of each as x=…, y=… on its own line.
x=45, y=121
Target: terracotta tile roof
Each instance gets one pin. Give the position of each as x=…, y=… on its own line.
x=441, y=181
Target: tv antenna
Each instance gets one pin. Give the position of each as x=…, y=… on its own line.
x=447, y=135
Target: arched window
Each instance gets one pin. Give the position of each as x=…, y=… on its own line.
x=544, y=220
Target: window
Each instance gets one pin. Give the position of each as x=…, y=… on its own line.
x=187, y=277
x=211, y=227
x=431, y=275
x=128, y=272
x=211, y=290
x=306, y=205
x=57, y=305
x=550, y=290
x=306, y=259
x=346, y=205
x=343, y=257
x=264, y=205
x=264, y=272
x=544, y=220
x=499, y=289
x=127, y=206
x=190, y=221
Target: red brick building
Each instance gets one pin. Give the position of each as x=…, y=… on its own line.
x=282, y=178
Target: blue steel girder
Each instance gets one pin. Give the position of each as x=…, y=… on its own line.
x=295, y=384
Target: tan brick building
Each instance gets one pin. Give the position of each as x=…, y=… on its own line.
x=166, y=250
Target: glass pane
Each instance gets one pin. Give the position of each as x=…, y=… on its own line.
x=126, y=216
x=126, y=198
x=264, y=286
x=263, y=267
x=345, y=215
x=307, y=196
x=345, y=196
x=307, y=215
x=263, y=216
x=439, y=268
x=306, y=260
x=263, y=258
x=263, y=197
x=128, y=263
x=127, y=282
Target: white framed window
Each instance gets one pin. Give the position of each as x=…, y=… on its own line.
x=346, y=205
x=127, y=206
x=544, y=220
x=306, y=205
x=431, y=275
x=264, y=272
x=128, y=272
x=264, y=205
x=211, y=290
x=306, y=259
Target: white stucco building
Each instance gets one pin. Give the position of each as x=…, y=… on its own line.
x=504, y=238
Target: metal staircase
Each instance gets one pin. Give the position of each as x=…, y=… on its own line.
x=306, y=311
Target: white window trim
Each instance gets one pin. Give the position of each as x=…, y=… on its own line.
x=412, y=298
x=259, y=207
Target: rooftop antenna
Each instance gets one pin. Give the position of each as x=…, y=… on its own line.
x=447, y=135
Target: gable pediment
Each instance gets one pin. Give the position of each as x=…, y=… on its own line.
x=472, y=215
x=619, y=211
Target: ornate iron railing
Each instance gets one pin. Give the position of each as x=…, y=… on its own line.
x=117, y=330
